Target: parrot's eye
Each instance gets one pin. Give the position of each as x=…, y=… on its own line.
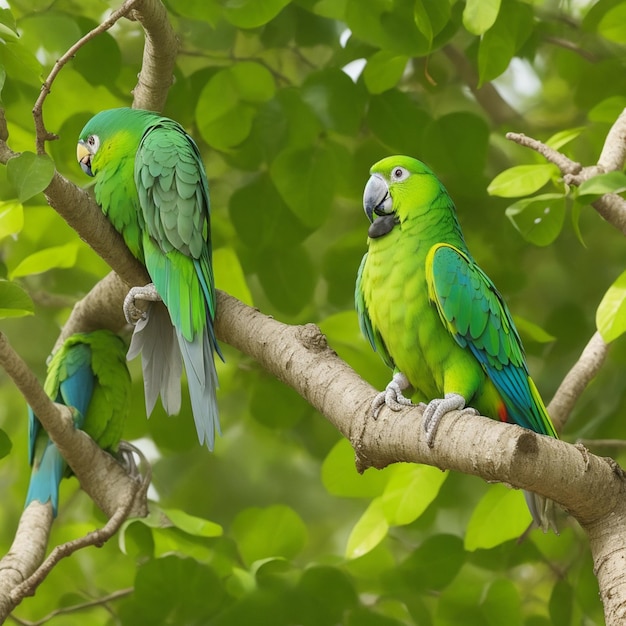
x=399, y=173
x=93, y=141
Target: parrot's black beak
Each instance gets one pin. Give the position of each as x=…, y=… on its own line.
x=376, y=198
x=84, y=157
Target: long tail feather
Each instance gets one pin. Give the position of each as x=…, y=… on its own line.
x=202, y=383
x=155, y=338
x=542, y=511
x=46, y=477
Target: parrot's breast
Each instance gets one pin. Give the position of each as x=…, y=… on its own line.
x=396, y=296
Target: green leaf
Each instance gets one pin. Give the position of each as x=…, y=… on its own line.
x=14, y=301
x=410, y=491
x=252, y=13
x=229, y=275
x=369, y=531
x=562, y=138
x=341, y=479
x=324, y=594
x=480, y=15
x=433, y=564
x=502, y=604
x=539, y=219
x=305, y=178
x=193, y=525
x=5, y=444
x=44, y=260
x=521, y=180
x=173, y=590
x=612, y=26
x=500, y=516
x=226, y=105
x=532, y=331
x=383, y=71
x=611, y=182
x=611, y=313
x=11, y=218
x=287, y=277
x=561, y=603
x=30, y=173
x=276, y=531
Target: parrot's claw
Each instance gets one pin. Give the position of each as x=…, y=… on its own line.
x=392, y=396
x=437, y=408
x=147, y=293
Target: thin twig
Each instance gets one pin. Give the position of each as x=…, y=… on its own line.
x=116, y=595
x=608, y=443
x=42, y=135
x=567, y=166
x=95, y=538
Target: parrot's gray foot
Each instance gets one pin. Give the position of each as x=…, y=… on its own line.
x=437, y=408
x=148, y=293
x=392, y=396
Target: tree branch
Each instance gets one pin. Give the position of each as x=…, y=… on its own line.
x=611, y=206
x=577, y=379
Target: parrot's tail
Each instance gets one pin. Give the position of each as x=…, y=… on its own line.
x=203, y=384
x=542, y=510
x=155, y=338
x=46, y=477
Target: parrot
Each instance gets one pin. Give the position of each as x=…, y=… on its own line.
x=434, y=316
x=151, y=184
x=88, y=373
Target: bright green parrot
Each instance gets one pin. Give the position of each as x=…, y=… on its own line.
x=434, y=316
x=88, y=373
x=151, y=184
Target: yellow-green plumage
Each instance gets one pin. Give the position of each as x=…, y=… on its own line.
x=428, y=309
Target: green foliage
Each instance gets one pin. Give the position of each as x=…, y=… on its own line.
x=291, y=102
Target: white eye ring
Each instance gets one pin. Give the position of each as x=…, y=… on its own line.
x=399, y=174
x=93, y=141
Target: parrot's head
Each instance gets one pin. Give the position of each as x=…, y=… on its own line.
x=108, y=133
x=397, y=184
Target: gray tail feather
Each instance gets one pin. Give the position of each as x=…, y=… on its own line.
x=155, y=337
x=542, y=510
x=202, y=382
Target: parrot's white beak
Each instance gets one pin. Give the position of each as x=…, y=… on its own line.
x=376, y=198
x=83, y=154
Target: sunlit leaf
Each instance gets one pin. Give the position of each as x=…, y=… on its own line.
x=44, y=260
x=229, y=276
x=30, y=173
x=613, y=25
x=369, y=531
x=383, y=71
x=11, y=218
x=563, y=137
x=14, y=301
x=410, y=491
x=480, y=15
x=611, y=313
x=500, y=516
x=340, y=477
x=193, y=525
x=521, y=180
x=611, y=182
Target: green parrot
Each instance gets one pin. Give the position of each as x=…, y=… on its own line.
x=434, y=316
x=89, y=374
x=151, y=184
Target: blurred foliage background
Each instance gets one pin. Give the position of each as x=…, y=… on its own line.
x=291, y=102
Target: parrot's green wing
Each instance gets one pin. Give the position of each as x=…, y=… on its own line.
x=174, y=199
x=476, y=316
x=89, y=374
x=367, y=328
